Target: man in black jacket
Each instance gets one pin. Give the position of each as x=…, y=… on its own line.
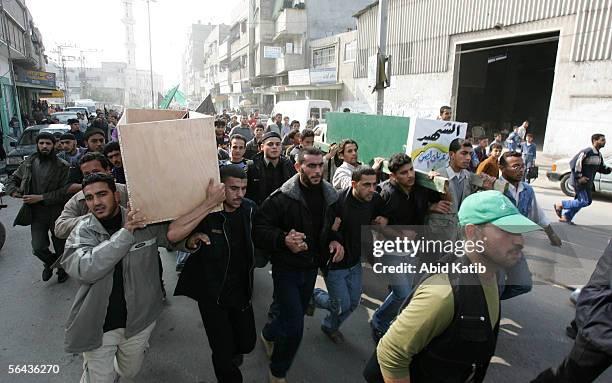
x=358, y=205
x=592, y=351
x=294, y=225
x=39, y=181
x=269, y=169
x=220, y=275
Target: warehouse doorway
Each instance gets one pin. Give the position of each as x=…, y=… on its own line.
x=506, y=81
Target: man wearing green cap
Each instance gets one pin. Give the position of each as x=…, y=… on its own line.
x=448, y=327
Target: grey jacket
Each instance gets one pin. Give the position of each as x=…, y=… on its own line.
x=76, y=208
x=90, y=257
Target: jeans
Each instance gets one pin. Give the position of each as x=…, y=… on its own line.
x=181, y=257
x=515, y=280
x=43, y=223
x=231, y=332
x=582, y=199
x=117, y=355
x=400, y=286
x=342, y=297
x=293, y=290
x=583, y=365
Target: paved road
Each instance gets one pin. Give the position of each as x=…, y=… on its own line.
x=532, y=336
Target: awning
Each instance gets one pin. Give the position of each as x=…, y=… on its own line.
x=337, y=86
x=33, y=86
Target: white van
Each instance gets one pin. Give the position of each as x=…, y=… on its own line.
x=302, y=110
x=87, y=103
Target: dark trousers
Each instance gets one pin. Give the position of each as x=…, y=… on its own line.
x=43, y=223
x=584, y=364
x=292, y=290
x=230, y=332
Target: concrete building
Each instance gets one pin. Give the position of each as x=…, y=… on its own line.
x=270, y=38
x=22, y=59
x=108, y=84
x=497, y=63
x=193, y=60
x=328, y=75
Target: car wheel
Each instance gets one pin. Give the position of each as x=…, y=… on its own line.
x=566, y=185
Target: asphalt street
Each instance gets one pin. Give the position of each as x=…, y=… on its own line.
x=532, y=335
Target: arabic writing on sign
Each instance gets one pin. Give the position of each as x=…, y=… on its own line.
x=448, y=128
x=432, y=159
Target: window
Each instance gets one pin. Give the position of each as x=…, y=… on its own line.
x=349, y=51
x=324, y=112
x=315, y=113
x=324, y=57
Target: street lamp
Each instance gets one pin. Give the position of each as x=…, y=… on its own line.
x=150, y=52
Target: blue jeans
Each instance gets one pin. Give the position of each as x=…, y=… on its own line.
x=292, y=291
x=400, y=286
x=181, y=257
x=342, y=297
x=582, y=199
x=515, y=280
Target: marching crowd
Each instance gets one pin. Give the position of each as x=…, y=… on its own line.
x=287, y=203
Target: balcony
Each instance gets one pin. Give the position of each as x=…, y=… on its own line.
x=224, y=51
x=290, y=22
x=290, y=62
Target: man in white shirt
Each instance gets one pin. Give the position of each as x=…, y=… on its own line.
x=348, y=153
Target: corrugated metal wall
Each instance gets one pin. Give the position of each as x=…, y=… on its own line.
x=419, y=30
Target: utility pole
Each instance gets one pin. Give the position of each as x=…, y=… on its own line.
x=382, y=51
x=150, y=53
x=61, y=59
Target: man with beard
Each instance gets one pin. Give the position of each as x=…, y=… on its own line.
x=39, y=181
x=94, y=139
x=295, y=227
x=447, y=330
x=219, y=276
x=112, y=255
x=269, y=169
x=71, y=153
x=112, y=151
x=358, y=206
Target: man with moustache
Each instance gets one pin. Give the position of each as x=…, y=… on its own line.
x=295, y=226
x=448, y=328
x=39, y=181
x=220, y=275
x=71, y=152
x=269, y=169
x=237, y=150
x=358, y=206
x=112, y=255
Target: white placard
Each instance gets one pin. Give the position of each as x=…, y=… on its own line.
x=428, y=142
x=323, y=75
x=299, y=77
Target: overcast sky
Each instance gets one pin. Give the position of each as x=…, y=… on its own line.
x=96, y=24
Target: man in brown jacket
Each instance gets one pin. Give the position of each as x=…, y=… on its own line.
x=490, y=166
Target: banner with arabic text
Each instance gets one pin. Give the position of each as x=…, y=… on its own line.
x=428, y=142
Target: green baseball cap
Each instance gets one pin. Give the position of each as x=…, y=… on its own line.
x=493, y=207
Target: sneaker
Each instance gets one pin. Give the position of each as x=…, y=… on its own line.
x=336, y=336
x=311, y=307
x=268, y=345
x=574, y=295
x=274, y=379
x=376, y=333
x=62, y=276
x=47, y=273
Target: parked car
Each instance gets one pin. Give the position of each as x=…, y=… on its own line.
x=78, y=109
x=63, y=117
x=560, y=171
x=26, y=145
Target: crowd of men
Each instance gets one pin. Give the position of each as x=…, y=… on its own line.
x=287, y=203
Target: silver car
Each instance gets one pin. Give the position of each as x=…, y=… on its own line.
x=560, y=171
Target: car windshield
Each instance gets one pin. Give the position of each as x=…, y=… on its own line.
x=64, y=117
x=28, y=138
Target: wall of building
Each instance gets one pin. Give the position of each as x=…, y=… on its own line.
x=582, y=89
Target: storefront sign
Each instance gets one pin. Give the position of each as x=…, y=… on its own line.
x=34, y=77
x=323, y=76
x=271, y=52
x=299, y=77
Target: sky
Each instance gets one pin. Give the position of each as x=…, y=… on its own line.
x=96, y=25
